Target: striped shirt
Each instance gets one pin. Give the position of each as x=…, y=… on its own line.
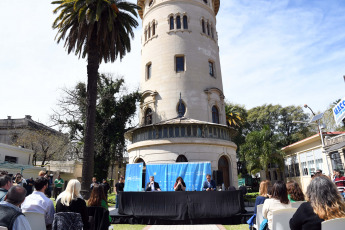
x=340, y=183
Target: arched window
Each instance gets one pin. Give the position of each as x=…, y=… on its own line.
x=203, y=25
x=149, y=30
x=178, y=22
x=148, y=116
x=145, y=35
x=208, y=29
x=151, y=2
x=181, y=158
x=212, y=34
x=185, y=22
x=171, y=20
x=153, y=28
x=205, y=1
x=140, y=160
x=181, y=108
x=215, y=115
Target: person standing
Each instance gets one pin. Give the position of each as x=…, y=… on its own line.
x=106, y=187
x=39, y=203
x=5, y=185
x=58, y=186
x=29, y=185
x=119, y=188
x=340, y=182
x=94, y=182
x=11, y=215
x=209, y=185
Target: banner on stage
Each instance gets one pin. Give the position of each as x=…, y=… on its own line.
x=134, y=177
x=193, y=174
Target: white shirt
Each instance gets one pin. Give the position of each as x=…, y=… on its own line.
x=153, y=186
x=38, y=202
x=271, y=205
x=21, y=223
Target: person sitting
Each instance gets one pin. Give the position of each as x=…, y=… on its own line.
x=323, y=203
x=70, y=200
x=39, y=203
x=209, y=185
x=339, y=182
x=294, y=191
x=179, y=184
x=152, y=185
x=97, y=198
x=263, y=194
x=278, y=201
x=5, y=185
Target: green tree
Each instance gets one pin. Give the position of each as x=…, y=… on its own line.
x=99, y=30
x=115, y=109
x=328, y=119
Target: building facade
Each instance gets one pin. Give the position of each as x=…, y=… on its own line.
x=182, y=112
x=304, y=157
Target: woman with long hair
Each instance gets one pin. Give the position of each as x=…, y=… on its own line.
x=324, y=202
x=263, y=193
x=97, y=198
x=278, y=201
x=179, y=184
x=70, y=200
x=294, y=191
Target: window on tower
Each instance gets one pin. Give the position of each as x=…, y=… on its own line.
x=205, y=1
x=203, y=25
x=145, y=35
x=151, y=2
x=212, y=33
x=179, y=61
x=148, y=70
x=153, y=28
x=181, y=108
x=215, y=115
x=185, y=22
x=211, y=68
x=178, y=22
x=208, y=29
x=148, y=116
x=171, y=21
x=149, y=31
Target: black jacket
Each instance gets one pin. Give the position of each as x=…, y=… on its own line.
x=305, y=218
x=148, y=186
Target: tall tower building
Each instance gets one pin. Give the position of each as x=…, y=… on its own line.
x=182, y=112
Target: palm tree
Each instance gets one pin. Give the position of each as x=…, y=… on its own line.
x=101, y=31
x=235, y=115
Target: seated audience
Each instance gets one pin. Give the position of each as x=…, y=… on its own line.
x=263, y=194
x=278, y=201
x=323, y=203
x=5, y=185
x=97, y=198
x=38, y=202
x=11, y=215
x=209, y=185
x=152, y=185
x=339, y=181
x=70, y=200
x=294, y=191
x=179, y=184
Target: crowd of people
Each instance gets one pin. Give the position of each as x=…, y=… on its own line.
x=324, y=200
x=17, y=197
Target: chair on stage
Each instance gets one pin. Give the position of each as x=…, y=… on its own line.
x=259, y=216
x=281, y=218
x=67, y=220
x=334, y=224
x=36, y=220
x=98, y=218
x=296, y=204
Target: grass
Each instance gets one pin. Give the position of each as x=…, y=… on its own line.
x=236, y=227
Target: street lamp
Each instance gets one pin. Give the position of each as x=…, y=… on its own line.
x=316, y=119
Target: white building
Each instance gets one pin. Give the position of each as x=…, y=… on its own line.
x=15, y=160
x=182, y=112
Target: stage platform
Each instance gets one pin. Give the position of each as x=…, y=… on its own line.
x=180, y=208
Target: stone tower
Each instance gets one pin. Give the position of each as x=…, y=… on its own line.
x=182, y=112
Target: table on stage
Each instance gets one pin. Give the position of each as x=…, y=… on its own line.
x=181, y=205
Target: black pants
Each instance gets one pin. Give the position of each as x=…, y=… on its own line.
x=57, y=191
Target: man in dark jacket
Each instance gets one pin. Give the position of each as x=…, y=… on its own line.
x=11, y=215
x=5, y=185
x=209, y=185
x=152, y=185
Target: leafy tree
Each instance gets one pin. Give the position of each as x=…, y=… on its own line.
x=99, y=30
x=114, y=111
x=328, y=119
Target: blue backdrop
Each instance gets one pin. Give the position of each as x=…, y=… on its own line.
x=193, y=174
x=134, y=177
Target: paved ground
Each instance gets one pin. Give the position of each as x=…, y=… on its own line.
x=184, y=227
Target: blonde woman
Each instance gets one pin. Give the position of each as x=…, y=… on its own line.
x=324, y=202
x=263, y=193
x=70, y=200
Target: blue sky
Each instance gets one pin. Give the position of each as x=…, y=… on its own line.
x=272, y=51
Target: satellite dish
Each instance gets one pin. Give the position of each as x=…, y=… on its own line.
x=316, y=118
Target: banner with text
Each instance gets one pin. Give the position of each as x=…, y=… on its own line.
x=339, y=112
x=134, y=177
x=193, y=174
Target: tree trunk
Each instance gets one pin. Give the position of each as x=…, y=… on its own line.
x=92, y=76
